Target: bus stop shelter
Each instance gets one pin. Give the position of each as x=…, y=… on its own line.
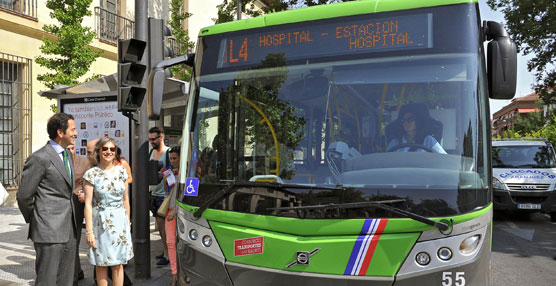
x=101, y=95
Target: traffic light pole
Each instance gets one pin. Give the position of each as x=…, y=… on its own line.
x=238, y=10
x=140, y=148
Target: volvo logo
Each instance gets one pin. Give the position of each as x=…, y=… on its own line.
x=528, y=187
x=303, y=257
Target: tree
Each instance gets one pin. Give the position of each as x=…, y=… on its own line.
x=532, y=25
x=547, y=130
x=255, y=92
x=228, y=9
x=184, y=43
x=531, y=122
x=68, y=56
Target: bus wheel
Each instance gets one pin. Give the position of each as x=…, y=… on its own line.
x=553, y=216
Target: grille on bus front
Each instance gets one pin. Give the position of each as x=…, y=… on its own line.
x=528, y=187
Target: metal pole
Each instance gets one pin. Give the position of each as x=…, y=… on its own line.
x=239, y=9
x=140, y=191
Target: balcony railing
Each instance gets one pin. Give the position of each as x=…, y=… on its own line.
x=22, y=7
x=110, y=26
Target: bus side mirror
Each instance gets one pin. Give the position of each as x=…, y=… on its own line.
x=157, y=77
x=501, y=61
x=155, y=92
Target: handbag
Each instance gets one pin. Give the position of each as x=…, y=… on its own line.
x=163, y=209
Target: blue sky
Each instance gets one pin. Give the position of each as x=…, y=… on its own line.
x=524, y=78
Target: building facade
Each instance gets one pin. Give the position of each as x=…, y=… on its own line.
x=23, y=113
x=504, y=118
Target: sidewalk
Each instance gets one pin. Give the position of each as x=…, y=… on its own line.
x=17, y=255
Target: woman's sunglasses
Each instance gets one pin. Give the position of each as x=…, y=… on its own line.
x=112, y=149
x=174, y=150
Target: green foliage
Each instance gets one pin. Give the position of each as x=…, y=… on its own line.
x=94, y=77
x=530, y=122
x=532, y=26
x=509, y=134
x=547, y=130
x=256, y=93
x=177, y=16
x=227, y=10
x=289, y=126
x=68, y=56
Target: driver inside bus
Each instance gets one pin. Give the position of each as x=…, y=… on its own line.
x=412, y=123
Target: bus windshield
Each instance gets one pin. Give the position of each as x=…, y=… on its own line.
x=383, y=120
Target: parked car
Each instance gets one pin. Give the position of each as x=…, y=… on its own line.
x=524, y=175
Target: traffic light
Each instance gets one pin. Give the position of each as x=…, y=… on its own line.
x=131, y=72
x=158, y=51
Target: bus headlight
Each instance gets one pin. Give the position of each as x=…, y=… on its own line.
x=423, y=258
x=497, y=184
x=193, y=234
x=469, y=245
x=207, y=241
x=444, y=253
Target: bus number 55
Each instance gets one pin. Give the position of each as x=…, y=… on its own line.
x=458, y=279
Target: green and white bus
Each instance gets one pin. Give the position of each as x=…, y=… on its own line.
x=343, y=144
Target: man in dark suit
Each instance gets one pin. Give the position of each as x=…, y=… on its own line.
x=45, y=198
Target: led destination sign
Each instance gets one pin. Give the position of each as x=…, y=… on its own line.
x=360, y=35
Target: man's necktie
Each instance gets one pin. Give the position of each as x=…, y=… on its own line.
x=66, y=163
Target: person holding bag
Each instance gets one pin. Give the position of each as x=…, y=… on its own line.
x=163, y=209
x=159, y=152
x=170, y=213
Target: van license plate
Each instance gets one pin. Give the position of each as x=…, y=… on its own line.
x=529, y=206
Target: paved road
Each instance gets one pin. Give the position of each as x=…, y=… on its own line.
x=524, y=250
x=17, y=255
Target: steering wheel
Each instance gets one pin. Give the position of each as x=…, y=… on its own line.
x=404, y=145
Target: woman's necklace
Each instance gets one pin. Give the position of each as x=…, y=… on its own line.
x=109, y=170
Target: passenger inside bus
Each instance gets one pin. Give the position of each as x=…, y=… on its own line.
x=414, y=131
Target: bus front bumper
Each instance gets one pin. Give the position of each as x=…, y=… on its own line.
x=198, y=268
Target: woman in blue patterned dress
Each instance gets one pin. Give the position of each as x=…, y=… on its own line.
x=107, y=214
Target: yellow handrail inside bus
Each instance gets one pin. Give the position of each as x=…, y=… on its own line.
x=265, y=120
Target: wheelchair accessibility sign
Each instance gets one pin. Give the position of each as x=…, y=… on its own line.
x=191, y=187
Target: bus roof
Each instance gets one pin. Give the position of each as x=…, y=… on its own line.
x=324, y=12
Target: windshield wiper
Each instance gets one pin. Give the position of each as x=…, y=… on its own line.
x=503, y=166
x=379, y=204
x=233, y=186
x=527, y=166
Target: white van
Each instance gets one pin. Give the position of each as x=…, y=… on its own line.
x=524, y=175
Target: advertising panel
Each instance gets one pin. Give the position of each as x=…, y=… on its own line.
x=97, y=117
